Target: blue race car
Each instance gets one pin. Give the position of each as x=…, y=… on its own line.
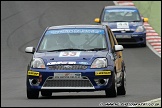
x=126, y=24
x=76, y=58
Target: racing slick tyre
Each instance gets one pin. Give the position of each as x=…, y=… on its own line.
x=46, y=93
x=32, y=94
x=122, y=89
x=112, y=91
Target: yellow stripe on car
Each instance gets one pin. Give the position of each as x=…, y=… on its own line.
x=102, y=73
x=33, y=73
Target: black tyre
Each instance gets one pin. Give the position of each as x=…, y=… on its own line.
x=143, y=45
x=32, y=94
x=122, y=89
x=112, y=91
x=46, y=93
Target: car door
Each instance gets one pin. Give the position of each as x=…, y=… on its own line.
x=117, y=55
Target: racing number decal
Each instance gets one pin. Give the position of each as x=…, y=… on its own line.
x=69, y=54
x=122, y=25
x=72, y=53
x=65, y=54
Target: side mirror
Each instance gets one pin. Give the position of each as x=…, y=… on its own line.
x=97, y=20
x=30, y=50
x=118, y=48
x=145, y=19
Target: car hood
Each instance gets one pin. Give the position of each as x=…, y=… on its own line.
x=72, y=57
x=131, y=25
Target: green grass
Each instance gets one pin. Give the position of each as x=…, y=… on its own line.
x=152, y=11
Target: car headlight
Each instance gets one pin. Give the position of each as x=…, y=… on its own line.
x=37, y=63
x=140, y=29
x=99, y=63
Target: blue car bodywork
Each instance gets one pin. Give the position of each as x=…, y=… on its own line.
x=126, y=24
x=73, y=69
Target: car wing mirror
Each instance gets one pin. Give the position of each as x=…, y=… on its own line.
x=97, y=20
x=30, y=50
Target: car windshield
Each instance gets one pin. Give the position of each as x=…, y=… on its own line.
x=73, y=39
x=121, y=15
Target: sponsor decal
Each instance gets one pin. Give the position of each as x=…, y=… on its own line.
x=97, y=73
x=60, y=31
x=123, y=36
x=70, y=54
x=68, y=66
x=83, y=63
x=67, y=75
x=121, y=10
x=123, y=31
x=33, y=73
x=60, y=62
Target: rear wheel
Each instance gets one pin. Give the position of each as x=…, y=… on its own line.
x=33, y=94
x=46, y=93
x=112, y=91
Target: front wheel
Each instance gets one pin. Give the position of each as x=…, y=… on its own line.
x=143, y=45
x=112, y=91
x=33, y=94
x=122, y=88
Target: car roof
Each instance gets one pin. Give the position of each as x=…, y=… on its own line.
x=77, y=26
x=120, y=7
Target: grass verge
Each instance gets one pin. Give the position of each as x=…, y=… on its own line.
x=152, y=11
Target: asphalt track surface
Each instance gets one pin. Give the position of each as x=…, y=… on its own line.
x=23, y=22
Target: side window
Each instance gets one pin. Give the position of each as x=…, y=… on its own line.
x=114, y=39
x=110, y=37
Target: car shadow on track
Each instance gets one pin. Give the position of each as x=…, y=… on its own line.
x=77, y=96
x=74, y=97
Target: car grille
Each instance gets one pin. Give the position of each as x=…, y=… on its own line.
x=67, y=83
x=121, y=32
x=126, y=40
x=67, y=67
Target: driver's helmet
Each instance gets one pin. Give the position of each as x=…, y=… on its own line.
x=112, y=14
x=134, y=15
x=62, y=39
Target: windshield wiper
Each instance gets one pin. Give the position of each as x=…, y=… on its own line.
x=69, y=49
x=126, y=21
x=135, y=21
x=96, y=49
x=117, y=21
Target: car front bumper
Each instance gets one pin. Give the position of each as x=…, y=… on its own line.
x=129, y=38
x=87, y=82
